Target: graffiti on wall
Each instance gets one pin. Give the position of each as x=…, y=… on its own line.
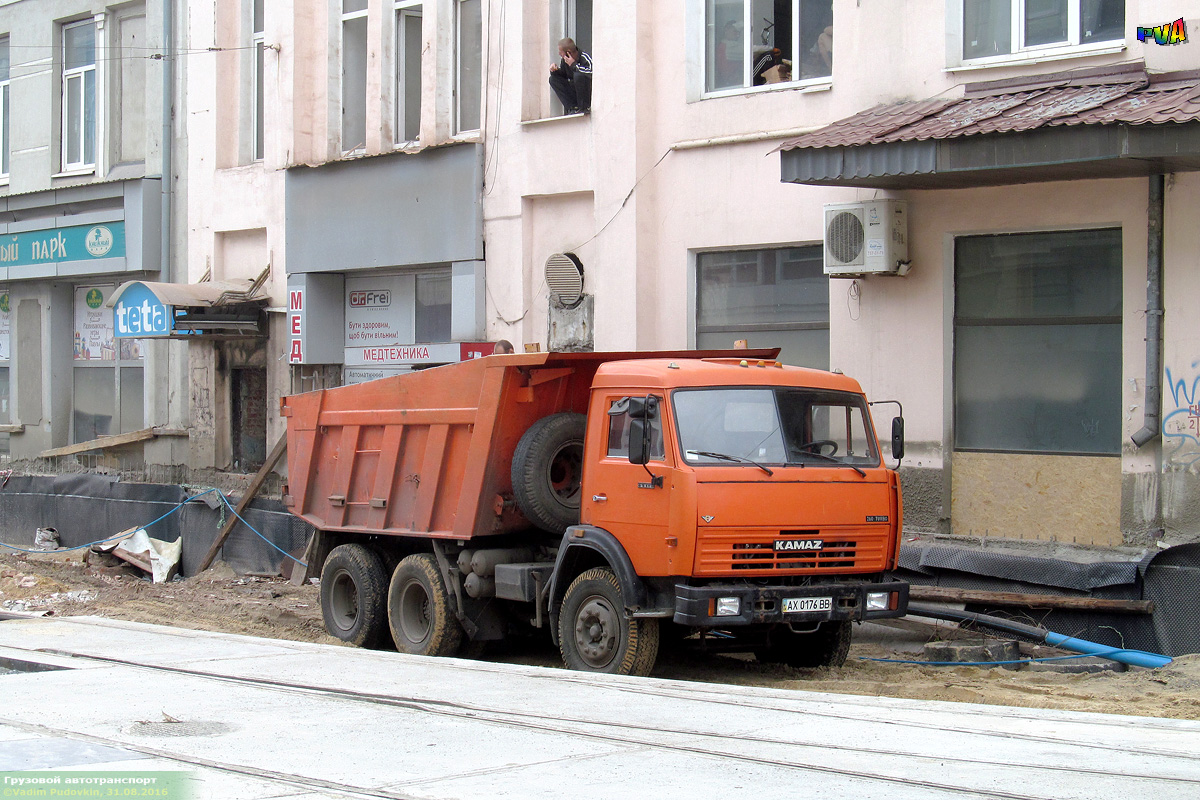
x=1181, y=424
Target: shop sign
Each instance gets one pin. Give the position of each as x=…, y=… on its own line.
x=76, y=243
x=399, y=355
x=5, y=325
x=140, y=314
x=93, y=325
x=379, y=310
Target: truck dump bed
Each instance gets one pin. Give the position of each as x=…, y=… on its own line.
x=429, y=453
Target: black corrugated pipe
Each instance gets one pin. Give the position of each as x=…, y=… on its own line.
x=1152, y=405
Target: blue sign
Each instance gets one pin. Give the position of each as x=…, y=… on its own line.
x=139, y=314
x=77, y=243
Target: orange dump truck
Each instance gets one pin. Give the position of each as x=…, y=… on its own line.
x=614, y=498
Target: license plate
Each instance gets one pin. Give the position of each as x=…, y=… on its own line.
x=792, y=605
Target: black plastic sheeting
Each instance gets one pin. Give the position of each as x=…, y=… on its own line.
x=87, y=507
x=1170, y=578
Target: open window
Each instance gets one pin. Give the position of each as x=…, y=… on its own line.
x=751, y=43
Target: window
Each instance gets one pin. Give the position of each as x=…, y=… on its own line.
x=469, y=74
x=433, y=307
x=5, y=149
x=757, y=42
x=577, y=23
x=408, y=71
x=79, y=96
x=1003, y=27
x=1037, y=342
x=772, y=298
x=258, y=41
x=618, y=431
x=108, y=375
x=354, y=75
x=809, y=427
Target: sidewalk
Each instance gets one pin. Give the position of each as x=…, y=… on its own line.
x=263, y=718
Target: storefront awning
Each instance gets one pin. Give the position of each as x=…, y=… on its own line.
x=1097, y=123
x=215, y=309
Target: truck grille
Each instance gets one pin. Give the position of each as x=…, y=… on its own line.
x=742, y=551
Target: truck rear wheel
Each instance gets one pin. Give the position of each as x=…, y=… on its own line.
x=594, y=634
x=825, y=647
x=420, y=614
x=354, y=595
x=547, y=471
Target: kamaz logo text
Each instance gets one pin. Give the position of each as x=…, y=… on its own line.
x=373, y=298
x=783, y=545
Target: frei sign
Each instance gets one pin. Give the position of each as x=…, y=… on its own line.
x=77, y=243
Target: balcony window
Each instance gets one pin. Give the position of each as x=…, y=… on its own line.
x=469, y=72
x=408, y=72
x=258, y=42
x=354, y=75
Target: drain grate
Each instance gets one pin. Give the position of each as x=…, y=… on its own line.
x=197, y=728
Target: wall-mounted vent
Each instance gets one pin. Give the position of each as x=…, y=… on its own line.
x=564, y=276
x=867, y=238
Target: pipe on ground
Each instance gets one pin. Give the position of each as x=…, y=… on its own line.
x=1134, y=658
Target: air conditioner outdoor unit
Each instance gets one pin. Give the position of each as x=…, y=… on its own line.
x=866, y=238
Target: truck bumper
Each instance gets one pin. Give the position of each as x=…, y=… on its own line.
x=698, y=606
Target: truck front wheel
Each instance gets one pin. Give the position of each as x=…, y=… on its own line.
x=419, y=610
x=594, y=635
x=354, y=594
x=827, y=646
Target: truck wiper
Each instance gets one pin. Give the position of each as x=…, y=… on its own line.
x=824, y=457
x=727, y=457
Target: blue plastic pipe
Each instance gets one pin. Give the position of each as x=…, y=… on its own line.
x=1134, y=658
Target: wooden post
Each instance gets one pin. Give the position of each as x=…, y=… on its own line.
x=251, y=491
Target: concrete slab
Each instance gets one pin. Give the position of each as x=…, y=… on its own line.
x=266, y=719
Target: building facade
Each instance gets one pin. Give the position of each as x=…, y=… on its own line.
x=84, y=208
x=335, y=155
x=1016, y=339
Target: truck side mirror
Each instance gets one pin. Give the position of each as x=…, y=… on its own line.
x=641, y=411
x=639, y=441
x=897, y=438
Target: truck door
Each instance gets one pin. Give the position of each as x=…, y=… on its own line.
x=626, y=499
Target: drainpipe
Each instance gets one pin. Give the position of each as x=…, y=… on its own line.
x=1152, y=406
x=167, y=131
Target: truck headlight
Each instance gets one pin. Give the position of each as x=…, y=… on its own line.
x=878, y=601
x=729, y=606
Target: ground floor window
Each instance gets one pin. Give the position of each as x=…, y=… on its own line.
x=776, y=297
x=1037, y=342
x=109, y=378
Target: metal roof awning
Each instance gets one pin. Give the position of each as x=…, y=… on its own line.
x=230, y=309
x=1087, y=124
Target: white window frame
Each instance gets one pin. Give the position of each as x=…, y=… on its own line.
x=570, y=25
x=816, y=83
x=258, y=44
x=357, y=147
x=5, y=113
x=459, y=130
x=80, y=74
x=404, y=11
x=1022, y=53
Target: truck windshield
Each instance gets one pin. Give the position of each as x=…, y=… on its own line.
x=774, y=426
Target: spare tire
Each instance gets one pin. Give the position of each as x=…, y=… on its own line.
x=547, y=471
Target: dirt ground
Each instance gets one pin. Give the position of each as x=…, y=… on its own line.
x=220, y=600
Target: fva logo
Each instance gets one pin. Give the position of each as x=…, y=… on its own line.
x=371, y=298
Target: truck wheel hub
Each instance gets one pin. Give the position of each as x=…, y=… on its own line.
x=596, y=626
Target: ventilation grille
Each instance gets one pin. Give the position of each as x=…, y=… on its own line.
x=844, y=237
x=741, y=551
x=564, y=276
